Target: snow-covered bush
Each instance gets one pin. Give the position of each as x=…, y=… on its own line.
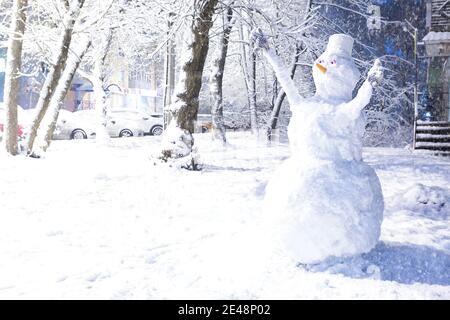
x=430, y=201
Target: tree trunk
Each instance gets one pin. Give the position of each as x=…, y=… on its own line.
x=12, y=74
x=169, y=71
x=248, y=64
x=243, y=59
x=274, y=75
x=274, y=90
x=177, y=140
x=252, y=95
x=191, y=80
x=54, y=74
x=154, y=86
x=216, y=79
x=98, y=81
x=280, y=98
x=60, y=93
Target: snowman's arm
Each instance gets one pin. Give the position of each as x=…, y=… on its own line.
x=362, y=99
x=283, y=76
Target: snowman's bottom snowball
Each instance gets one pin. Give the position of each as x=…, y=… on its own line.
x=324, y=209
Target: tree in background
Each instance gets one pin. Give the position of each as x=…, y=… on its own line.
x=13, y=66
x=218, y=60
x=48, y=125
x=299, y=30
x=241, y=93
x=177, y=139
x=56, y=68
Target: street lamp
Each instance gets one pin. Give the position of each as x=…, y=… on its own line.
x=416, y=93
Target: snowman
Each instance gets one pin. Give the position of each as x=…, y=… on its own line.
x=324, y=201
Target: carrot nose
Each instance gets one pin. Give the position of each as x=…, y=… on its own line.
x=321, y=67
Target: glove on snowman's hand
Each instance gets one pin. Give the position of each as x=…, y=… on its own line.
x=375, y=75
x=259, y=39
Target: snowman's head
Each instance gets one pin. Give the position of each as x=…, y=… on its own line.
x=334, y=72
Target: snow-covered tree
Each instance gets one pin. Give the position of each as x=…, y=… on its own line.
x=298, y=31
x=48, y=125
x=185, y=106
x=97, y=76
x=13, y=66
x=56, y=68
x=218, y=60
x=70, y=28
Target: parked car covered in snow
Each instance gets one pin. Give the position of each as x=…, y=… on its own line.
x=151, y=123
x=82, y=125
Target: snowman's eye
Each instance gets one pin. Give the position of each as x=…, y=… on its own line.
x=333, y=61
x=321, y=61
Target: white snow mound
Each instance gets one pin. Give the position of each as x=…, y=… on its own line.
x=431, y=201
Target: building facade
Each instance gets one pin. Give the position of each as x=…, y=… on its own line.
x=125, y=88
x=437, y=45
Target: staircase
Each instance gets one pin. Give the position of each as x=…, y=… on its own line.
x=433, y=137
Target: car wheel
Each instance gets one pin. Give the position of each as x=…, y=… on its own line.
x=156, y=131
x=125, y=133
x=78, y=134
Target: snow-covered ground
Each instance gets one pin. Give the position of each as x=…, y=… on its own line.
x=90, y=222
